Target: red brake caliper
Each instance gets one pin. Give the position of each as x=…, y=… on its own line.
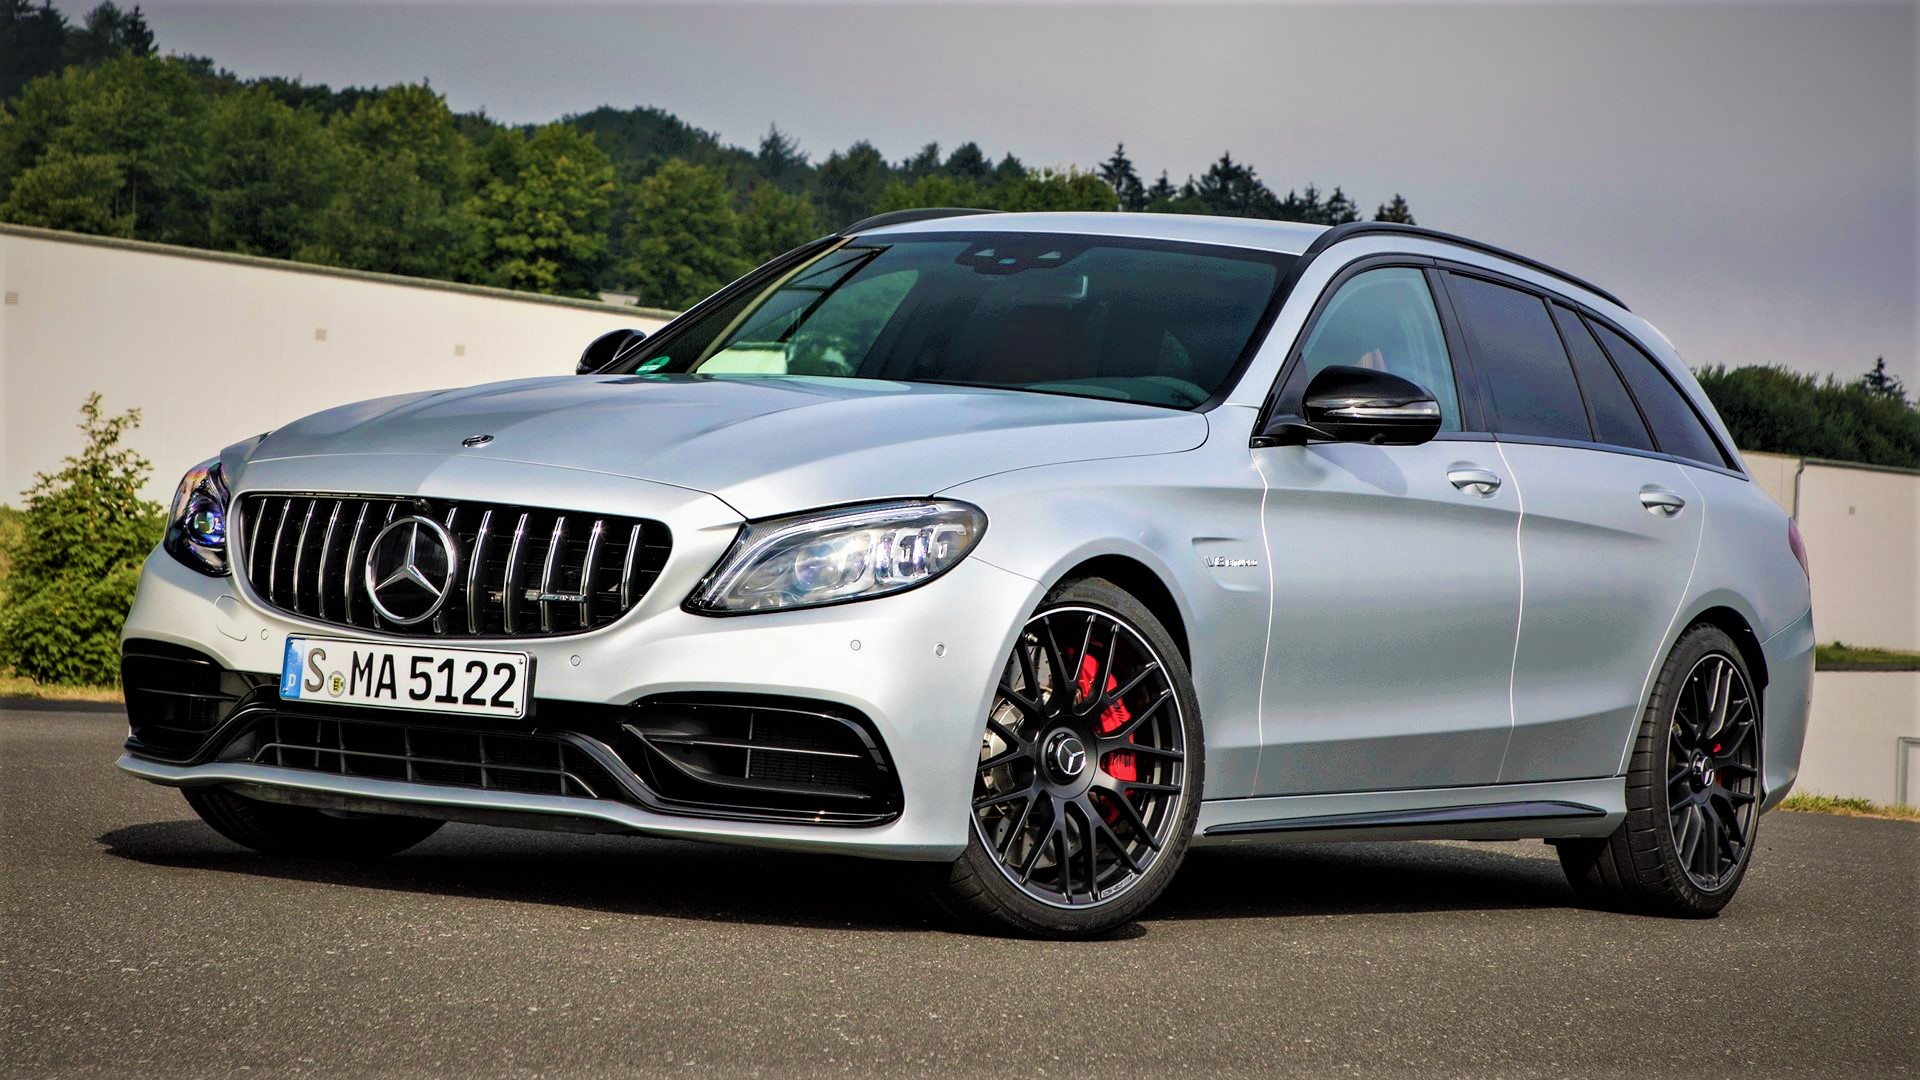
x=1119, y=764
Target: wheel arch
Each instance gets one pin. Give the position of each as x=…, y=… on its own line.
x=1740, y=629
x=1145, y=585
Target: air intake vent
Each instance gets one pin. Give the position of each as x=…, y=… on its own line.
x=516, y=571
x=772, y=757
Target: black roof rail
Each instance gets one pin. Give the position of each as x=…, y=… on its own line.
x=1365, y=228
x=908, y=217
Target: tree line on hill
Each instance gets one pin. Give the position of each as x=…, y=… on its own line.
x=100, y=134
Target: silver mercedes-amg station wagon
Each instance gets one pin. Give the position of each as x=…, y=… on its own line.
x=1036, y=548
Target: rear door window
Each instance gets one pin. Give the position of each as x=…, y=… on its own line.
x=1615, y=420
x=1524, y=374
x=1678, y=428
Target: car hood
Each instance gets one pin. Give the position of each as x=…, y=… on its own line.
x=764, y=445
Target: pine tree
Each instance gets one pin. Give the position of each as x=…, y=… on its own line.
x=1161, y=195
x=968, y=162
x=1395, y=211
x=780, y=158
x=924, y=163
x=1877, y=383
x=1118, y=172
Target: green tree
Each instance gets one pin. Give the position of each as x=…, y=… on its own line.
x=968, y=162
x=32, y=39
x=77, y=558
x=781, y=161
x=1047, y=189
x=1230, y=188
x=540, y=217
x=1395, y=211
x=935, y=190
x=1779, y=411
x=774, y=223
x=402, y=206
x=924, y=163
x=849, y=184
x=684, y=239
x=1878, y=383
x=276, y=172
x=146, y=115
x=1118, y=172
x=108, y=32
x=1161, y=195
x=78, y=192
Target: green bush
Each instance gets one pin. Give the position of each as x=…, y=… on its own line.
x=75, y=560
x=1779, y=411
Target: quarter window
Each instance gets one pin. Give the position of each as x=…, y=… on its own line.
x=1524, y=372
x=1675, y=424
x=1615, y=420
x=1385, y=320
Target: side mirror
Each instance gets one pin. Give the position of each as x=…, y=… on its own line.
x=1354, y=404
x=607, y=348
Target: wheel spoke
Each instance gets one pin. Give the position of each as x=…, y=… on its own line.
x=1151, y=668
x=1156, y=751
x=1007, y=734
x=987, y=801
x=1101, y=828
x=1028, y=670
x=1080, y=663
x=1126, y=730
x=1090, y=820
x=1105, y=675
x=1063, y=680
x=1063, y=862
x=1027, y=706
x=1134, y=819
x=1039, y=847
x=1019, y=826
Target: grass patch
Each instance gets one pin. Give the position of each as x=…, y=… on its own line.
x=20, y=686
x=1841, y=657
x=1848, y=807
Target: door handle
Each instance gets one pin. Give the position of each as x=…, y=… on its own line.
x=1475, y=481
x=1662, y=501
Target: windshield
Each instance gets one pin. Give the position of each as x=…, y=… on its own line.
x=1132, y=320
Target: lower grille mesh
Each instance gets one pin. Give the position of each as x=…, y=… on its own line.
x=491, y=761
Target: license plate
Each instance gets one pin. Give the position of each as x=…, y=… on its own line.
x=400, y=676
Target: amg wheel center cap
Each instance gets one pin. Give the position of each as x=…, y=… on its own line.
x=1066, y=756
x=1703, y=768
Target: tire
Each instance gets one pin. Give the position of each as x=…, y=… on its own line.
x=1692, y=791
x=299, y=831
x=1050, y=853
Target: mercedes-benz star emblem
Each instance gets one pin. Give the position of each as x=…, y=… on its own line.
x=410, y=569
x=472, y=441
x=1069, y=755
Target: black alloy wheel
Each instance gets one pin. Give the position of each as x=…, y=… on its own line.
x=1086, y=785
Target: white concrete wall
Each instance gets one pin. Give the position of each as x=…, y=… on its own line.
x=1862, y=530
x=1853, y=737
x=213, y=349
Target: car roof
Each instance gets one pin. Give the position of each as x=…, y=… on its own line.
x=1286, y=237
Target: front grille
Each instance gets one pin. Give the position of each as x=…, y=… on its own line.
x=771, y=757
x=427, y=754
x=518, y=571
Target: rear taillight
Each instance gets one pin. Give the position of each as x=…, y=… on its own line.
x=1799, y=546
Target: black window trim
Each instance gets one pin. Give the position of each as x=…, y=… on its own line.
x=1466, y=386
x=1659, y=368
x=1619, y=375
x=1587, y=313
x=1490, y=415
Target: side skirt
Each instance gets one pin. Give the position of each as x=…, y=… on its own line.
x=1554, y=810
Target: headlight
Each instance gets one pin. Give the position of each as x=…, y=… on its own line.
x=197, y=523
x=833, y=556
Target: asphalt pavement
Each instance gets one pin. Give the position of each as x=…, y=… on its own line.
x=136, y=941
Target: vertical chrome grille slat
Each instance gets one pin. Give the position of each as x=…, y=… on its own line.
x=319, y=543
x=546, y=572
x=273, y=565
x=326, y=546
x=586, y=573
x=300, y=549
x=507, y=579
x=475, y=576
x=346, y=569
x=626, y=569
x=440, y=617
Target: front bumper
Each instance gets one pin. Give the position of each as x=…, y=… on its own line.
x=921, y=666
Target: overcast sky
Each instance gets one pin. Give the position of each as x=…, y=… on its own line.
x=1744, y=176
